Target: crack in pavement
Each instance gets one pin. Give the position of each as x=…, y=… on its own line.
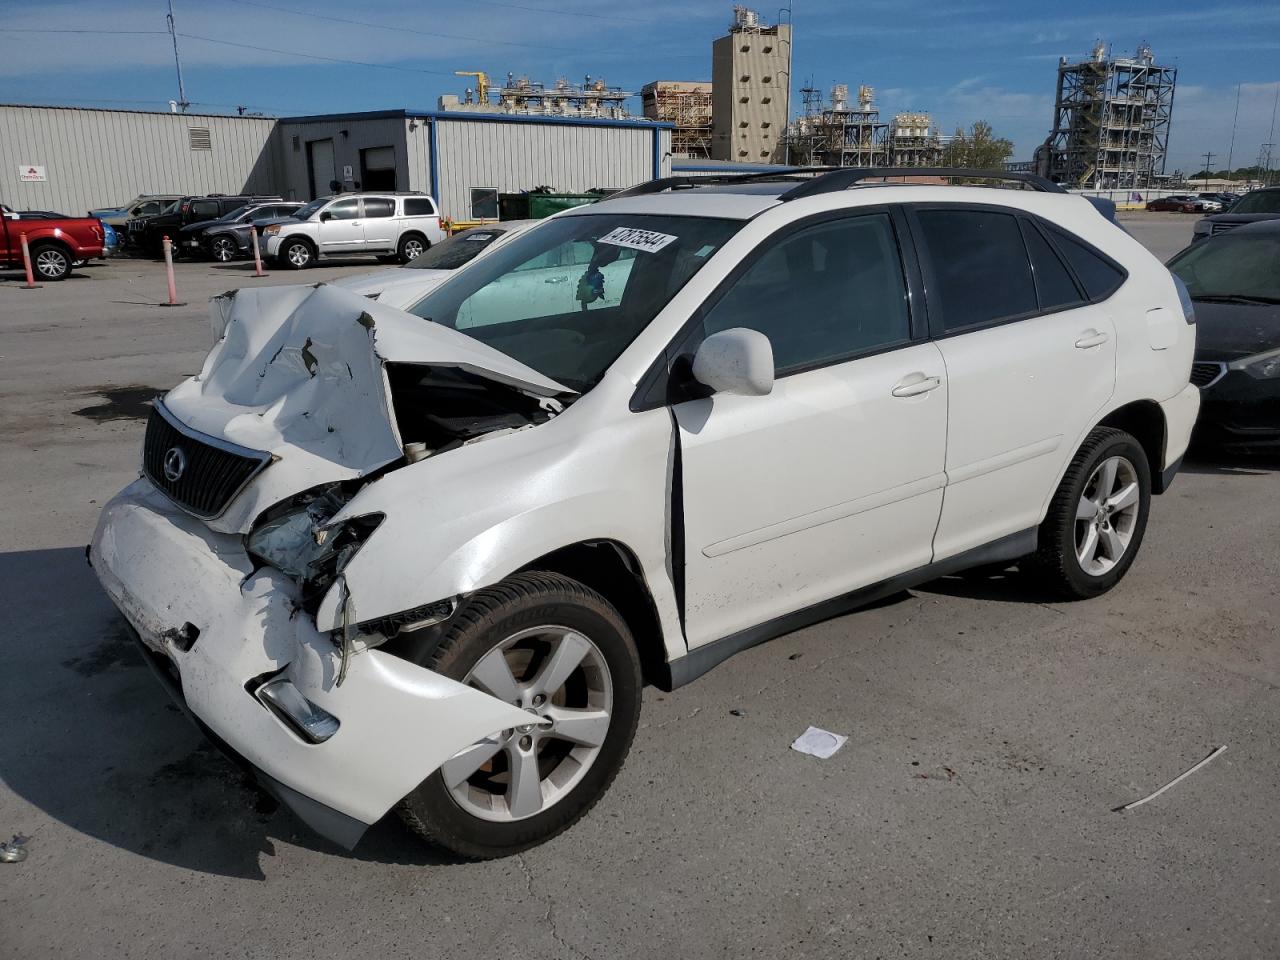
x=548, y=917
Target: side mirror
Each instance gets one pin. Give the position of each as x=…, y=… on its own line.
x=736, y=360
x=326, y=216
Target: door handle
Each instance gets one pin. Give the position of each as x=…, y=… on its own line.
x=1091, y=338
x=914, y=384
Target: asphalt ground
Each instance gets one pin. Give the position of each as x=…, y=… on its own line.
x=991, y=732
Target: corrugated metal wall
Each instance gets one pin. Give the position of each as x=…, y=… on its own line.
x=96, y=158
x=380, y=132
x=511, y=157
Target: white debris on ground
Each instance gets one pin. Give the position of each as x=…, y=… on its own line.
x=818, y=743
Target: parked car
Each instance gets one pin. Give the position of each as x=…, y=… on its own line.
x=1209, y=202
x=1234, y=281
x=1178, y=203
x=404, y=286
x=148, y=233
x=228, y=237
x=55, y=244
x=425, y=561
x=1254, y=206
x=143, y=205
x=402, y=225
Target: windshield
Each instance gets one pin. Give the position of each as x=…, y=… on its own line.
x=237, y=213
x=459, y=249
x=568, y=298
x=1260, y=201
x=303, y=213
x=1233, y=265
x=173, y=207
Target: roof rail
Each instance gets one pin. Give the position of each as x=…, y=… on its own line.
x=688, y=182
x=841, y=178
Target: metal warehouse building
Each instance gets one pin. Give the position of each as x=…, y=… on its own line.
x=85, y=159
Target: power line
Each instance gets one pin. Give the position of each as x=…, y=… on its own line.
x=135, y=33
x=398, y=28
x=568, y=13
x=316, y=56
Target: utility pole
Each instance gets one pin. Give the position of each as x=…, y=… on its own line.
x=177, y=61
x=1234, y=122
x=1208, y=161
x=1271, y=138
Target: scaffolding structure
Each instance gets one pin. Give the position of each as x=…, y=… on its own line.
x=520, y=95
x=839, y=134
x=686, y=104
x=914, y=141
x=1111, y=121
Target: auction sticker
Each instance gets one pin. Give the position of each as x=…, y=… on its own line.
x=633, y=238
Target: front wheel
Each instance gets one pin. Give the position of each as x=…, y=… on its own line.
x=560, y=651
x=1097, y=518
x=296, y=254
x=223, y=249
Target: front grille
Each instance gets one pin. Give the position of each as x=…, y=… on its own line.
x=1203, y=373
x=199, y=473
x=1217, y=228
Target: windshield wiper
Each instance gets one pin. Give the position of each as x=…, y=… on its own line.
x=1233, y=298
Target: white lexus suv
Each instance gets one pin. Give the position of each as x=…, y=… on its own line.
x=391, y=226
x=427, y=561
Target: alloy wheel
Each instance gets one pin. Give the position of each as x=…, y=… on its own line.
x=224, y=249
x=561, y=678
x=1107, y=515
x=412, y=249
x=51, y=263
x=299, y=255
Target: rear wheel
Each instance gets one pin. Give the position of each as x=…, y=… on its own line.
x=223, y=249
x=411, y=247
x=296, y=254
x=560, y=651
x=1098, y=516
x=50, y=262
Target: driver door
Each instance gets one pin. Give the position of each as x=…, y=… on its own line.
x=343, y=231
x=834, y=480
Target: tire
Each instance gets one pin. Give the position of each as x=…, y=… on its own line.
x=388, y=258
x=49, y=261
x=296, y=254
x=506, y=639
x=1083, y=554
x=411, y=246
x=223, y=249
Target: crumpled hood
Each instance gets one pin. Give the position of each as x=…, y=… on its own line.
x=398, y=287
x=297, y=372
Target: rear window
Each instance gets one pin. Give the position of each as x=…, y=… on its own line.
x=979, y=264
x=1054, y=286
x=419, y=207
x=459, y=249
x=1099, y=277
x=379, y=207
x=1260, y=201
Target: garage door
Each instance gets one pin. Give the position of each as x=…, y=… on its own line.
x=378, y=168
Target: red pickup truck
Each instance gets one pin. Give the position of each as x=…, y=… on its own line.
x=55, y=244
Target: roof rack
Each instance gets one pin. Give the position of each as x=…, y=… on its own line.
x=689, y=182
x=841, y=178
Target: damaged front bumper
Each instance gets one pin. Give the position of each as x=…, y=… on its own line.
x=220, y=629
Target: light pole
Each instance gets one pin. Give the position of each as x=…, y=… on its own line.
x=177, y=62
x=786, y=122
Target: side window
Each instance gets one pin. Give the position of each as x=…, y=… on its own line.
x=379, y=207
x=1054, y=287
x=344, y=209
x=484, y=203
x=980, y=271
x=205, y=210
x=419, y=207
x=149, y=209
x=1099, y=278
x=832, y=290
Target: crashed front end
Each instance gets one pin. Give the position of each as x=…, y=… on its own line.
x=227, y=555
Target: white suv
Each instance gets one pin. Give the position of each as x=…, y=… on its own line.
x=428, y=562
x=389, y=225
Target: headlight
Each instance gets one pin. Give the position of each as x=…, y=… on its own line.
x=271, y=230
x=299, y=541
x=1203, y=227
x=1261, y=366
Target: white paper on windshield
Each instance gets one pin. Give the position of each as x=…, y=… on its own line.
x=633, y=238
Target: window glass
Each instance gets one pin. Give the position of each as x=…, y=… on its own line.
x=1238, y=265
x=1099, y=278
x=980, y=267
x=484, y=203
x=344, y=209
x=419, y=207
x=205, y=210
x=456, y=250
x=828, y=291
x=1260, y=201
x=379, y=207
x=148, y=209
x=567, y=313
x=1054, y=286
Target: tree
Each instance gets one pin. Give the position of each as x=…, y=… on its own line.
x=979, y=149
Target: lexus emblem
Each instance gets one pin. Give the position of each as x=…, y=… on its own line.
x=175, y=462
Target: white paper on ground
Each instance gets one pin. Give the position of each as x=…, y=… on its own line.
x=818, y=743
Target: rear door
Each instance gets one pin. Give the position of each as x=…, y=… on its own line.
x=1030, y=364
x=379, y=223
x=834, y=480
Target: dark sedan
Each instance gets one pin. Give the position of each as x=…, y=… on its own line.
x=1234, y=281
x=1178, y=203
x=228, y=237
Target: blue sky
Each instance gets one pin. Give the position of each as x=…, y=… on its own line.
x=970, y=60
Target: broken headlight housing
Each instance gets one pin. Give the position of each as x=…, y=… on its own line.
x=1260, y=366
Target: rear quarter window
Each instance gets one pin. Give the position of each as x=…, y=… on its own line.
x=419, y=207
x=1098, y=275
